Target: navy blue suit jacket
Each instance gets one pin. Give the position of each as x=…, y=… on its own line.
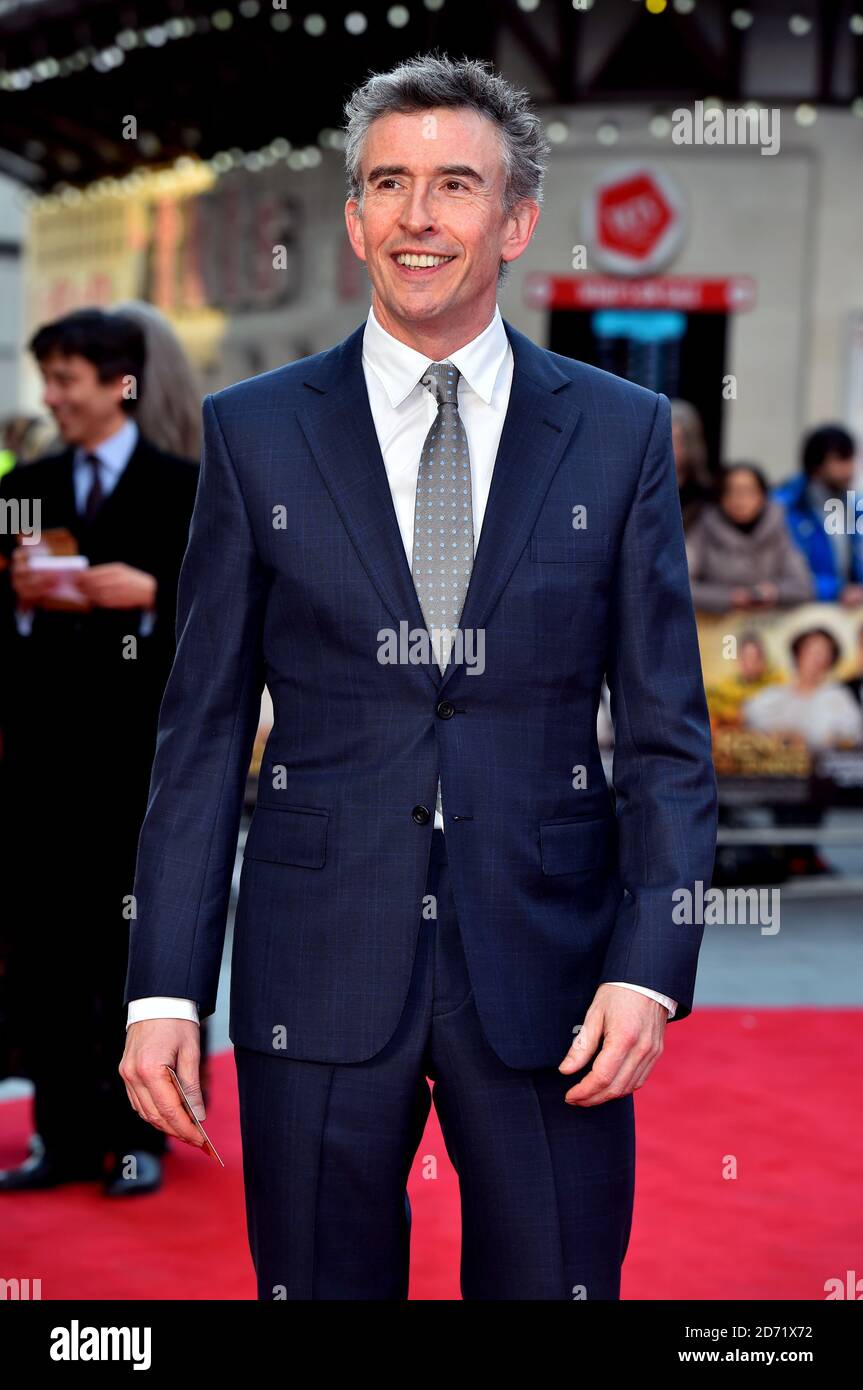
x=294, y=568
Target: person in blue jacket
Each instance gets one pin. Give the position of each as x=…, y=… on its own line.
x=817, y=506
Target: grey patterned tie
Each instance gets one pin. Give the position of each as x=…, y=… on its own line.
x=443, y=516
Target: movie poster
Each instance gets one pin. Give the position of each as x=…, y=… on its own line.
x=784, y=694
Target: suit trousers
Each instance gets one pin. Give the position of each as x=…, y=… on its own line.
x=546, y=1187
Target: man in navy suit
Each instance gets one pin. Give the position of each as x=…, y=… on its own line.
x=437, y=881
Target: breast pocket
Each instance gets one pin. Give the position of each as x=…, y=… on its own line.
x=572, y=548
x=288, y=835
x=576, y=846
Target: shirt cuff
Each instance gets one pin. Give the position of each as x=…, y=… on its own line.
x=24, y=620
x=161, y=1006
x=670, y=1004
x=148, y=618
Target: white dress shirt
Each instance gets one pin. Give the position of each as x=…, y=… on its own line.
x=113, y=455
x=403, y=412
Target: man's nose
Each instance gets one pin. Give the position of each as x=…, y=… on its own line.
x=417, y=214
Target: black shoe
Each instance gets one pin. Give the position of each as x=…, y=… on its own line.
x=148, y=1169
x=41, y=1171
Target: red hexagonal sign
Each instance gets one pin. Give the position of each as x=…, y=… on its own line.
x=634, y=219
x=632, y=215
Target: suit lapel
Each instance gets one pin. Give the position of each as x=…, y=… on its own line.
x=64, y=492
x=340, y=430
x=122, y=501
x=56, y=487
x=338, y=425
x=540, y=418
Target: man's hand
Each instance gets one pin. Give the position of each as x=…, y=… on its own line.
x=632, y=1026
x=30, y=586
x=150, y=1045
x=117, y=585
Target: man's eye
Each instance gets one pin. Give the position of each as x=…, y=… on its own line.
x=456, y=183
x=382, y=182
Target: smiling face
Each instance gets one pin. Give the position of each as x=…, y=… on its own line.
x=85, y=409
x=432, y=229
x=815, y=656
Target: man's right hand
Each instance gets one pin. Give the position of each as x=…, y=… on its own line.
x=31, y=586
x=150, y=1046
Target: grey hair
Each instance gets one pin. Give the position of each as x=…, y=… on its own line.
x=689, y=422
x=169, y=411
x=435, y=80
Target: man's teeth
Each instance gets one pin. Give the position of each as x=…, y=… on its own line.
x=421, y=262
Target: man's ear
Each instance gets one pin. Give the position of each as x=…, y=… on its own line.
x=354, y=224
x=120, y=390
x=522, y=224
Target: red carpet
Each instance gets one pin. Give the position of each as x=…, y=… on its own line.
x=773, y=1091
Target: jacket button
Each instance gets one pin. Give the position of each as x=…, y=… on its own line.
x=445, y=709
x=421, y=815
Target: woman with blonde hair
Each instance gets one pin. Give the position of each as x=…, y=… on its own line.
x=169, y=411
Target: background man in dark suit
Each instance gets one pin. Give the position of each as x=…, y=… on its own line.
x=437, y=882
x=80, y=702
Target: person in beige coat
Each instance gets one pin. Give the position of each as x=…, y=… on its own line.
x=741, y=554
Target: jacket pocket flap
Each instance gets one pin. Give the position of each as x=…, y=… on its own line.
x=288, y=835
x=575, y=846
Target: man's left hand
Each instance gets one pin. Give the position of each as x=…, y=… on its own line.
x=117, y=585
x=632, y=1026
